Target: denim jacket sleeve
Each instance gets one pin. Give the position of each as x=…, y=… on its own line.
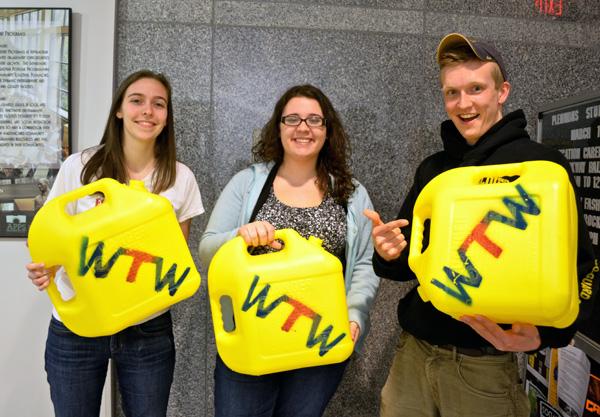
x=361, y=281
x=226, y=217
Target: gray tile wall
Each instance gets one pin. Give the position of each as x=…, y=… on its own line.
x=229, y=61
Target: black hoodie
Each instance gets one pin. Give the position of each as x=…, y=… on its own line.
x=505, y=142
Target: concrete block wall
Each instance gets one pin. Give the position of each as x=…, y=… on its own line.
x=229, y=61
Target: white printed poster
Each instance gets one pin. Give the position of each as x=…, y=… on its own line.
x=34, y=109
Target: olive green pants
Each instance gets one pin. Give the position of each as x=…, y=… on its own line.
x=429, y=381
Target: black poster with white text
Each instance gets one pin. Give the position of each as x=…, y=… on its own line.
x=574, y=129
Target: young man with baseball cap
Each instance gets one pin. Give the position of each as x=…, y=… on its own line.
x=464, y=368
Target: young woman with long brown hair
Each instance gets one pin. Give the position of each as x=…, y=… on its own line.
x=138, y=144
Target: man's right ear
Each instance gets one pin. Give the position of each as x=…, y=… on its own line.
x=504, y=91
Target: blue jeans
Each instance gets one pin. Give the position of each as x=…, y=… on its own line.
x=299, y=393
x=144, y=357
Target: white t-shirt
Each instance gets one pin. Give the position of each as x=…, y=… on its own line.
x=184, y=195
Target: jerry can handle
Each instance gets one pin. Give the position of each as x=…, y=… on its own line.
x=228, y=318
x=290, y=238
x=416, y=240
x=88, y=189
x=57, y=301
x=416, y=258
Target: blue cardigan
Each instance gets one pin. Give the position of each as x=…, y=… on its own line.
x=234, y=208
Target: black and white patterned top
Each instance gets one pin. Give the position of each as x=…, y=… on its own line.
x=327, y=221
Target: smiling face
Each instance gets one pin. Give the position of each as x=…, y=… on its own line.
x=302, y=142
x=144, y=110
x=471, y=98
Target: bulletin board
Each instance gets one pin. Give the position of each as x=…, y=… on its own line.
x=572, y=126
x=566, y=382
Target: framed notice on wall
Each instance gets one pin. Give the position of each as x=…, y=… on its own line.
x=573, y=127
x=35, y=102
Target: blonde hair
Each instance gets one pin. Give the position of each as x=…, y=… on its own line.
x=463, y=53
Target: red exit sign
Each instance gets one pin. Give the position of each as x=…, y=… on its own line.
x=550, y=7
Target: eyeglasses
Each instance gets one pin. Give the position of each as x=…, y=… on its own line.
x=311, y=121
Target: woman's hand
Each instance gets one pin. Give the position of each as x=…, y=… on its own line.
x=39, y=275
x=259, y=233
x=354, y=331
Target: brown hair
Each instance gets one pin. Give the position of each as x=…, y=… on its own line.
x=109, y=161
x=463, y=53
x=333, y=157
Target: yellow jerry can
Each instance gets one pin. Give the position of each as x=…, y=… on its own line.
x=126, y=258
x=281, y=310
x=502, y=243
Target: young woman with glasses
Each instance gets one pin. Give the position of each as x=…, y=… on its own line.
x=301, y=181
